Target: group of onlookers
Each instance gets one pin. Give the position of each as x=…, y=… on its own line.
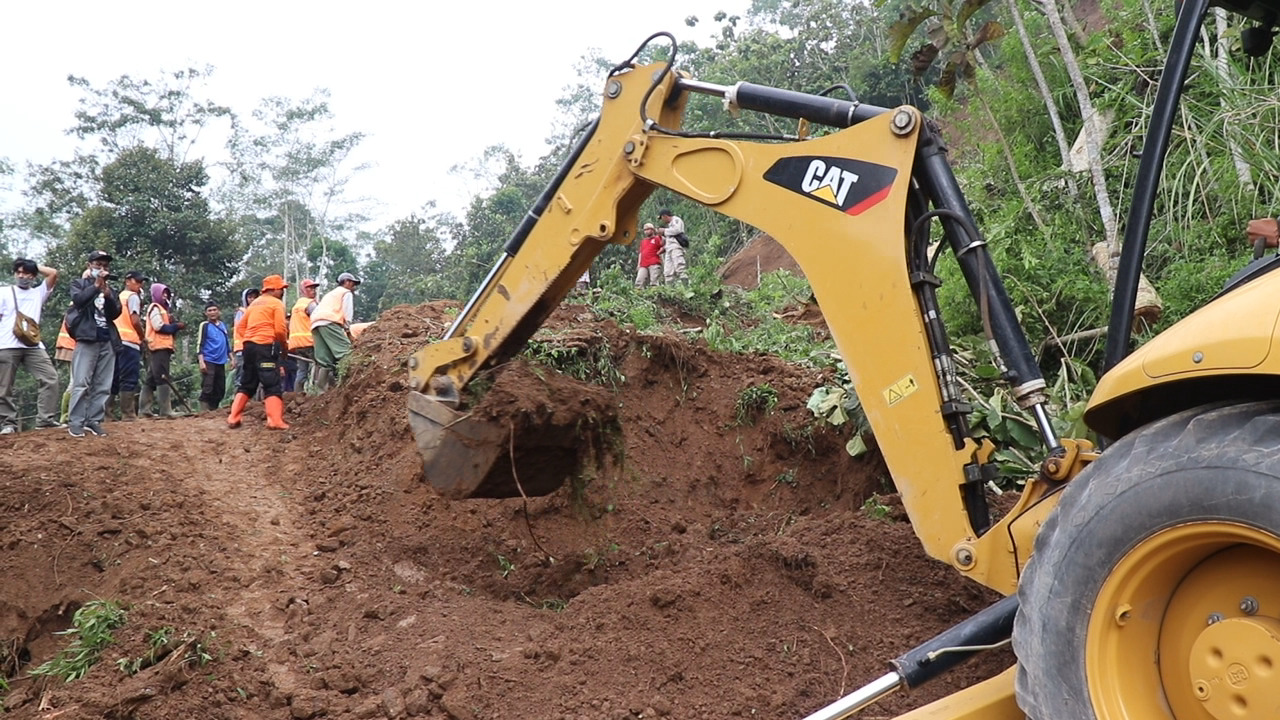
x=662, y=252
x=106, y=335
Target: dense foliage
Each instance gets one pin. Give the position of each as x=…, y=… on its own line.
x=1010, y=82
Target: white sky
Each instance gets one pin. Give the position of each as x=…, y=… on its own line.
x=431, y=84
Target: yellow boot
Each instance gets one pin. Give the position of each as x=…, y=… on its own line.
x=275, y=413
x=237, y=410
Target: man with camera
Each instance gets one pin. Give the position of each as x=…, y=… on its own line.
x=20, y=344
x=91, y=322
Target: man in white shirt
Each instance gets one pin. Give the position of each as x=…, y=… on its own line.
x=329, y=329
x=27, y=295
x=673, y=261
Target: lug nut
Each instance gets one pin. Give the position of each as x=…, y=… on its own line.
x=1249, y=605
x=1214, y=618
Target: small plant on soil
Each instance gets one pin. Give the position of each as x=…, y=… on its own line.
x=505, y=566
x=91, y=628
x=591, y=362
x=754, y=402
x=875, y=508
x=787, y=478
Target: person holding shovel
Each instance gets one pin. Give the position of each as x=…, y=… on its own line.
x=161, y=330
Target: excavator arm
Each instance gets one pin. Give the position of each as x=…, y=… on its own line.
x=849, y=207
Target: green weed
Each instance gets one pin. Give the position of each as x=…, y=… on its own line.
x=875, y=508
x=505, y=566
x=91, y=631
x=753, y=402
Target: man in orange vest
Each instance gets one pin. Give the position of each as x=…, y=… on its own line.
x=301, y=344
x=124, y=386
x=329, y=329
x=247, y=296
x=266, y=339
x=64, y=351
x=160, y=331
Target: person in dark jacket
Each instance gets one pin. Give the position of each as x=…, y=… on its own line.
x=91, y=322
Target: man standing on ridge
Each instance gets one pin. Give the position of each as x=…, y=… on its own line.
x=214, y=348
x=266, y=338
x=329, y=329
x=124, y=386
x=301, y=344
x=650, y=272
x=33, y=283
x=673, y=244
x=160, y=331
x=237, y=338
x=91, y=320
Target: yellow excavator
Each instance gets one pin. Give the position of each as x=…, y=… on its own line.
x=1141, y=582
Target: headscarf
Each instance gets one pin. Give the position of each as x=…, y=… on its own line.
x=158, y=296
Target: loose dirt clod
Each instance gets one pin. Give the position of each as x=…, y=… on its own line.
x=679, y=577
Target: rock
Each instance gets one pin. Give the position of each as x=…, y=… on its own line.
x=342, y=681
x=661, y=705
x=393, y=704
x=375, y=613
x=329, y=545
x=418, y=702
x=306, y=705
x=368, y=709
x=328, y=576
x=456, y=708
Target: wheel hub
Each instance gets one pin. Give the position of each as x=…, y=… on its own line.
x=1233, y=666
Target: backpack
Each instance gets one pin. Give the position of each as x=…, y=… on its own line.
x=25, y=329
x=682, y=239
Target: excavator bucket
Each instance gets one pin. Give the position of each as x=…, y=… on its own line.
x=468, y=457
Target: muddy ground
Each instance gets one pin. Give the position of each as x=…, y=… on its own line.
x=700, y=563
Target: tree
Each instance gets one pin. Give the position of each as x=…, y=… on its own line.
x=167, y=114
x=288, y=180
x=149, y=211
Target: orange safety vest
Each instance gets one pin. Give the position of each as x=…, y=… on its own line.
x=330, y=307
x=156, y=340
x=237, y=336
x=65, y=341
x=124, y=322
x=300, y=325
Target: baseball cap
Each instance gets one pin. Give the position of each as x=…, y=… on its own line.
x=348, y=276
x=663, y=212
x=136, y=275
x=97, y=255
x=309, y=283
x=274, y=282
x=649, y=226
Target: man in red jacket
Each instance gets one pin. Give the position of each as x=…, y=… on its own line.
x=650, y=257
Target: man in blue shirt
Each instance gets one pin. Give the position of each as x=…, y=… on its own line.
x=215, y=352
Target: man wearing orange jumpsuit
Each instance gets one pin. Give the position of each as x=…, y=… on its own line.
x=266, y=340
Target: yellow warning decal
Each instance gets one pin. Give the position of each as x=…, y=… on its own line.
x=900, y=390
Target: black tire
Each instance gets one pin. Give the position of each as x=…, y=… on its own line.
x=1211, y=464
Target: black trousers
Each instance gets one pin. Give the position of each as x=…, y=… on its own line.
x=158, y=368
x=261, y=367
x=213, y=384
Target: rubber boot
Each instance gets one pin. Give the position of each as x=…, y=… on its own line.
x=109, y=413
x=66, y=407
x=205, y=406
x=275, y=413
x=321, y=380
x=128, y=406
x=165, y=395
x=144, y=402
x=237, y=410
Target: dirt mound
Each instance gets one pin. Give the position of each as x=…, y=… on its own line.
x=713, y=560
x=762, y=255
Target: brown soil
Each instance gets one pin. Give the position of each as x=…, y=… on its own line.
x=698, y=567
x=762, y=255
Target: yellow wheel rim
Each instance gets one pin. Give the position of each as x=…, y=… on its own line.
x=1187, y=626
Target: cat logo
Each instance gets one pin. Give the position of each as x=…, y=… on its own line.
x=852, y=186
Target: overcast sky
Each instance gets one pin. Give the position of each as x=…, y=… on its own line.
x=432, y=84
